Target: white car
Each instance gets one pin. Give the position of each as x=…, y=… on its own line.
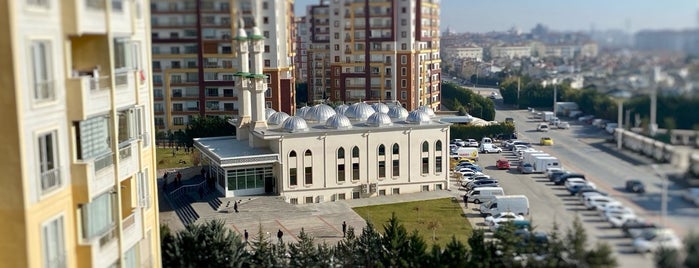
x=577, y=182
x=597, y=202
x=492, y=149
x=651, y=241
x=550, y=170
x=617, y=220
x=495, y=220
x=471, y=143
x=466, y=172
x=465, y=180
x=563, y=125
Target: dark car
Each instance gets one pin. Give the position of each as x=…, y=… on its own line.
x=579, y=187
x=635, y=186
x=560, y=180
x=636, y=224
x=553, y=174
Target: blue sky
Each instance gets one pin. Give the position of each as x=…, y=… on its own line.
x=500, y=15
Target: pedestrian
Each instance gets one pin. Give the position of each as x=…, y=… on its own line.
x=235, y=206
x=246, y=235
x=279, y=235
x=466, y=200
x=179, y=177
x=344, y=228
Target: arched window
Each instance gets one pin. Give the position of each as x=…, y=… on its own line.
x=395, y=148
x=382, y=150
x=292, y=154
x=425, y=147
x=341, y=153
x=438, y=146
x=355, y=151
x=307, y=153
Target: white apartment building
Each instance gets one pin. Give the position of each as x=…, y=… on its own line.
x=510, y=52
x=471, y=53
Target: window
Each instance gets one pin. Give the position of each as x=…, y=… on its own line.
x=425, y=147
x=266, y=49
x=178, y=121
x=382, y=169
x=341, y=153
x=42, y=73
x=98, y=216
x=292, y=177
x=143, y=192
x=265, y=34
x=395, y=148
x=355, y=152
x=355, y=171
x=309, y=200
x=382, y=150
x=292, y=154
x=341, y=172
x=438, y=164
x=404, y=59
x=403, y=83
x=403, y=71
x=265, y=20
x=403, y=34
x=403, y=22
x=438, y=146
x=48, y=162
x=425, y=165
x=396, y=190
x=53, y=244
x=309, y=175
x=268, y=63
x=396, y=168
x=212, y=92
x=403, y=95
x=268, y=93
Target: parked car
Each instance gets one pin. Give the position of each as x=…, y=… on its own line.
x=553, y=171
x=472, y=166
x=546, y=141
x=635, y=186
x=482, y=183
x=584, y=194
x=635, y=227
x=525, y=168
x=692, y=195
x=543, y=127
x=465, y=181
x=610, y=127
x=471, y=143
x=502, y=217
x=598, y=202
x=563, y=125
x=652, y=241
x=502, y=163
x=560, y=180
x=586, y=118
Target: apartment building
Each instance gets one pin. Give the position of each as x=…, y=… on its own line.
x=511, y=52
x=302, y=43
x=471, y=52
x=78, y=187
x=368, y=50
x=194, y=63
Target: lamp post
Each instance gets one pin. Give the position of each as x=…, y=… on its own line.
x=619, y=95
x=663, y=196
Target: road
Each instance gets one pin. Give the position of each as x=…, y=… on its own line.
x=582, y=149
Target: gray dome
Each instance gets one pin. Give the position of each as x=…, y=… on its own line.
x=319, y=113
x=359, y=111
x=378, y=120
x=427, y=110
x=295, y=124
x=341, y=109
x=418, y=117
x=398, y=112
x=277, y=118
x=380, y=107
x=269, y=112
x=301, y=112
x=338, y=121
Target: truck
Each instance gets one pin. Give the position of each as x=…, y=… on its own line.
x=547, y=116
x=468, y=153
x=518, y=204
x=528, y=158
x=541, y=163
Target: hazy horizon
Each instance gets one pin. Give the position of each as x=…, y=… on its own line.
x=502, y=15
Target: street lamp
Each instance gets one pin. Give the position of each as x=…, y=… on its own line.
x=663, y=197
x=619, y=95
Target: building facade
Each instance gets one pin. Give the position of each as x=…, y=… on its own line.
x=468, y=52
x=78, y=151
x=194, y=63
x=375, y=51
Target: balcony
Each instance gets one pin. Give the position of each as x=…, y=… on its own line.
x=128, y=160
x=89, y=17
x=96, y=175
x=132, y=230
x=105, y=249
x=126, y=88
x=87, y=96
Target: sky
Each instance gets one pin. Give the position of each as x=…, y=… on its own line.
x=561, y=15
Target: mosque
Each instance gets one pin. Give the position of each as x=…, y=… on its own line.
x=323, y=154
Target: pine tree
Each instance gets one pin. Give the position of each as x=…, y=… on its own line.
x=576, y=240
x=691, y=245
x=304, y=252
x=394, y=243
x=600, y=256
x=210, y=244
x=454, y=254
x=265, y=254
x=481, y=254
x=667, y=258
x=368, y=249
x=345, y=249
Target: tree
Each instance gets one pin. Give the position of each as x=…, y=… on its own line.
x=433, y=225
x=368, y=249
x=576, y=240
x=482, y=252
x=691, y=246
x=265, y=252
x=222, y=247
x=454, y=254
x=600, y=256
x=304, y=252
x=394, y=243
x=667, y=258
x=205, y=126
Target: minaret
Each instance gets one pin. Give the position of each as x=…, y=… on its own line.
x=259, y=84
x=243, y=83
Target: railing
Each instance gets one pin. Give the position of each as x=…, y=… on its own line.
x=129, y=221
x=103, y=162
x=125, y=152
x=121, y=79
x=95, y=4
x=108, y=236
x=100, y=83
x=50, y=180
x=186, y=189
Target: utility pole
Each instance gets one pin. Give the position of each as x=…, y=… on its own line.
x=519, y=80
x=555, y=92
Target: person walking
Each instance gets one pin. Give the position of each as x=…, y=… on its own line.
x=246, y=235
x=279, y=235
x=466, y=200
x=344, y=228
x=235, y=206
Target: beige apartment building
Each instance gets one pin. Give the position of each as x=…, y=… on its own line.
x=375, y=51
x=78, y=160
x=194, y=63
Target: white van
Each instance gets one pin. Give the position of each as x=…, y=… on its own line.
x=484, y=194
x=518, y=204
x=468, y=153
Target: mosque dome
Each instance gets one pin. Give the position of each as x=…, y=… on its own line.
x=277, y=118
x=341, y=109
x=295, y=124
x=359, y=111
x=427, y=110
x=379, y=119
x=397, y=112
x=301, y=112
x=338, y=121
x=418, y=117
x=319, y=113
x=380, y=107
x=269, y=112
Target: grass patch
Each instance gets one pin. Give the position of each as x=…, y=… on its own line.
x=165, y=159
x=418, y=216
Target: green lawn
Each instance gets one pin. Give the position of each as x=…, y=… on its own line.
x=164, y=158
x=418, y=215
